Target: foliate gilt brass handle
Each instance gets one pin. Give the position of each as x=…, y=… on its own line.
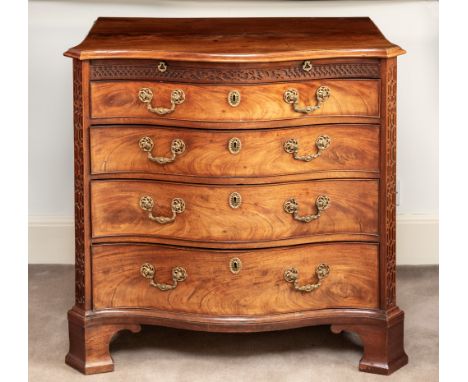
x=179, y=274
x=291, y=275
x=145, y=95
x=177, y=207
x=292, y=207
x=291, y=96
x=292, y=147
x=177, y=147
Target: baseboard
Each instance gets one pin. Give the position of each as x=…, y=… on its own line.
x=417, y=239
x=51, y=240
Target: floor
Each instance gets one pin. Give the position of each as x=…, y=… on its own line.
x=162, y=354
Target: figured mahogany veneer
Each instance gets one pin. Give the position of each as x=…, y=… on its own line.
x=246, y=40
x=209, y=219
x=239, y=260
x=353, y=151
x=119, y=99
x=258, y=289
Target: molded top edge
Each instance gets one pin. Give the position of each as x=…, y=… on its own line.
x=234, y=39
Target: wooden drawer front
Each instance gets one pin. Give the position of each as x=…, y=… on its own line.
x=120, y=99
x=208, y=216
x=262, y=152
x=216, y=73
x=260, y=287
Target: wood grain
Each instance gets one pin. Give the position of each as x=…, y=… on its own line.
x=234, y=324
x=89, y=344
x=263, y=102
x=115, y=150
x=209, y=218
x=234, y=39
x=305, y=120
x=259, y=288
x=383, y=343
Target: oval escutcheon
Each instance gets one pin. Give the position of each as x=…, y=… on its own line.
x=234, y=98
x=235, y=265
x=234, y=145
x=235, y=200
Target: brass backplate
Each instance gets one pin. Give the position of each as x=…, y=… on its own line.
x=235, y=265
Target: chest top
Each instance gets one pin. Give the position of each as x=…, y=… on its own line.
x=234, y=39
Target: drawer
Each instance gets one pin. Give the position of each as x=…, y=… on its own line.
x=243, y=215
x=263, y=102
x=235, y=153
x=219, y=72
x=207, y=282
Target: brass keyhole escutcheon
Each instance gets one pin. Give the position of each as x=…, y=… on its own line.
x=234, y=98
x=234, y=145
x=235, y=265
x=235, y=200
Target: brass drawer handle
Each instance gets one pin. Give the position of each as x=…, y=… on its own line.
x=177, y=207
x=291, y=206
x=179, y=274
x=291, y=275
x=291, y=96
x=162, y=67
x=307, y=66
x=292, y=147
x=177, y=147
x=145, y=95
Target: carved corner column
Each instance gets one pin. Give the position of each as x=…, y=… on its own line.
x=81, y=169
x=388, y=184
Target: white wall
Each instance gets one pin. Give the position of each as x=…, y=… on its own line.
x=55, y=26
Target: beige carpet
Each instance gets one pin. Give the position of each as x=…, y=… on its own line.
x=162, y=354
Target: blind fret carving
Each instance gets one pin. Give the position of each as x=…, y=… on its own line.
x=79, y=185
x=390, y=182
x=149, y=71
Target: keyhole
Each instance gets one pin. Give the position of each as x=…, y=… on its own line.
x=234, y=145
x=235, y=200
x=234, y=98
x=235, y=265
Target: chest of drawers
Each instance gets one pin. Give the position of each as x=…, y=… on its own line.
x=235, y=175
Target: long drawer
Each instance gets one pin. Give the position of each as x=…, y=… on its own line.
x=233, y=154
x=259, y=102
x=290, y=279
x=216, y=214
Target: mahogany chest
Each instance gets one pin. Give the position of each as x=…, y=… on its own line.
x=235, y=175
